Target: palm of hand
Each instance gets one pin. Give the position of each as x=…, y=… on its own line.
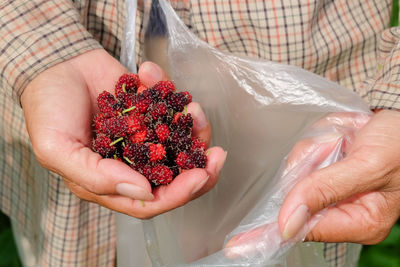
x=59, y=106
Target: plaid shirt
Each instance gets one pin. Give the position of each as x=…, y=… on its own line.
x=347, y=41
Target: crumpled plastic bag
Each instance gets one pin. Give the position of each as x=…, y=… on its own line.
x=258, y=111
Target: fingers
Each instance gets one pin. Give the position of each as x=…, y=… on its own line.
x=343, y=119
x=150, y=73
x=201, y=127
x=101, y=176
x=366, y=219
x=167, y=197
x=323, y=188
x=216, y=160
x=265, y=240
x=315, y=149
x=185, y=187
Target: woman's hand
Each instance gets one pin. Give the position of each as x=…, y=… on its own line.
x=361, y=193
x=59, y=105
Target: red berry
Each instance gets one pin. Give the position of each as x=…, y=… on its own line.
x=198, y=144
x=162, y=132
x=99, y=121
x=107, y=103
x=161, y=175
x=142, y=103
x=198, y=158
x=178, y=101
x=102, y=146
x=158, y=110
x=127, y=83
x=139, y=137
x=141, y=88
x=188, y=96
x=146, y=170
x=126, y=100
x=137, y=153
x=184, y=123
x=183, y=161
x=179, y=141
x=176, y=117
x=164, y=87
x=134, y=122
x=157, y=152
x=114, y=127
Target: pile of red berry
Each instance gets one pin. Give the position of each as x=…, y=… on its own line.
x=148, y=128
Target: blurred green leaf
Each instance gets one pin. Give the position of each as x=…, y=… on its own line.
x=394, y=20
x=8, y=251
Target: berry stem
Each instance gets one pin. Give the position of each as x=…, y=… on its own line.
x=128, y=160
x=116, y=141
x=124, y=87
x=185, y=111
x=143, y=204
x=128, y=109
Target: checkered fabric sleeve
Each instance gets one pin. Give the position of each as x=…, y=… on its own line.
x=382, y=90
x=35, y=35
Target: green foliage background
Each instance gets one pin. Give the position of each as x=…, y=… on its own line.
x=385, y=254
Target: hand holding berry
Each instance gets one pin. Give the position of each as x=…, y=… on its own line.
x=59, y=106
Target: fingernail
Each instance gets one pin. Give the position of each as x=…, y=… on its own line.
x=200, y=185
x=152, y=70
x=200, y=117
x=295, y=222
x=220, y=163
x=326, y=138
x=133, y=191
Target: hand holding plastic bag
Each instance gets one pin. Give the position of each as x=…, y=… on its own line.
x=332, y=135
x=360, y=193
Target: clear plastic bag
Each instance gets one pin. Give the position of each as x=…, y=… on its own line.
x=258, y=111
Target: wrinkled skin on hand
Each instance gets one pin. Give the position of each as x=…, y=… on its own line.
x=360, y=195
x=59, y=106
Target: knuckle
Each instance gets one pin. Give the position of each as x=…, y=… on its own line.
x=377, y=227
x=324, y=192
x=79, y=191
x=95, y=186
x=44, y=149
x=371, y=163
x=92, y=187
x=376, y=167
x=376, y=234
x=314, y=236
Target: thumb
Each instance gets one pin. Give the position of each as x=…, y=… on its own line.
x=150, y=73
x=321, y=189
